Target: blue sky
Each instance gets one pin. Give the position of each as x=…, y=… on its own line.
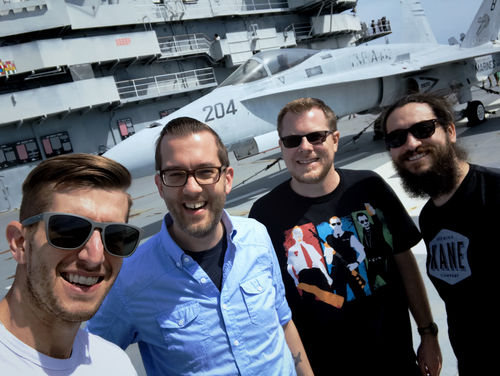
x=446, y=17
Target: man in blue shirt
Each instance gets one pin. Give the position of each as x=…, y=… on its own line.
x=205, y=294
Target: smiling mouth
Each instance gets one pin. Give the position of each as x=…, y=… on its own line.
x=195, y=205
x=77, y=279
x=307, y=161
x=417, y=154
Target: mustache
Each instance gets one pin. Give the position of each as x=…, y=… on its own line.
x=418, y=150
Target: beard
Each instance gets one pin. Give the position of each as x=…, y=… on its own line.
x=207, y=225
x=438, y=180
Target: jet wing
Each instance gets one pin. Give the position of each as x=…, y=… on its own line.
x=437, y=57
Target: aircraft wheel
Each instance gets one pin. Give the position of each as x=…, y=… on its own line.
x=475, y=113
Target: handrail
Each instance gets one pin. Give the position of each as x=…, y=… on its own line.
x=184, y=44
x=173, y=9
x=167, y=84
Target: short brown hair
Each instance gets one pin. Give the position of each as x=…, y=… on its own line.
x=298, y=106
x=66, y=172
x=184, y=126
x=440, y=106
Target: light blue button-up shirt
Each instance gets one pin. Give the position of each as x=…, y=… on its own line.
x=184, y=325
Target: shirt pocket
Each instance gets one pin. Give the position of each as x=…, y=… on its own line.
x=185, y=337
x=259, y=296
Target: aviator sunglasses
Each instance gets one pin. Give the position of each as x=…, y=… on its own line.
x=314, y=138
x=420, y=130
x=70, y=232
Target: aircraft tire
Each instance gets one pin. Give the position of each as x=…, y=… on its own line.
x=475, y=112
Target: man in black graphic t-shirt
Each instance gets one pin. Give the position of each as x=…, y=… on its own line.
x=458, y=223
x=350, y=327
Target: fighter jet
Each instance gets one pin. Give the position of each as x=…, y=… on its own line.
x=243, y=109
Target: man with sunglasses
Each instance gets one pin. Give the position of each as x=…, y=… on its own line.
x=345, y=330
x=69, y=245
x=204, y=295
x=458, y=222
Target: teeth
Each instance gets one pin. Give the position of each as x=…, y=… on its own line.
x=416, y=156
x=306, y=161
x=82, y=280
x=195, y=205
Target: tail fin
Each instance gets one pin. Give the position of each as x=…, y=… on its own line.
x=485, y=26
x=416, y=27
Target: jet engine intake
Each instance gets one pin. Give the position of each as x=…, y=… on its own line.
x=256, y=145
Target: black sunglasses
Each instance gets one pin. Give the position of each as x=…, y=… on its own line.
x=314, y=138
x=421, y=130
x=69, y=232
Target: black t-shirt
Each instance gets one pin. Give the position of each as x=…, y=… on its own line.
x=336, y=254
x=462, y=254
x=211, y=260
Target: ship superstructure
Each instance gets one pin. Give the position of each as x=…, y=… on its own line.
x=82, y=75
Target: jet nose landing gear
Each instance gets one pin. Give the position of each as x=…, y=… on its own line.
x=475, y=113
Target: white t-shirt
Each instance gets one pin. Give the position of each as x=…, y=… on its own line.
x=91, y=355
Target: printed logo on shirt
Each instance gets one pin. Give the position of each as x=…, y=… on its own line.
x=341, y=258
x=448, y=259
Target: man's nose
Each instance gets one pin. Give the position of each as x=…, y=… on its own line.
x=93, y=251
x=192, y=184
x=411, y=141
x=305, y=144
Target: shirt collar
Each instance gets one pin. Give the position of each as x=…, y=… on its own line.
x=171, y=246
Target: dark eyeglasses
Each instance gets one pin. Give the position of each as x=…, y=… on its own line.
x=314, y=138
x=177, y=177
x=335, y=223
x=421, y=130
x=70, y=231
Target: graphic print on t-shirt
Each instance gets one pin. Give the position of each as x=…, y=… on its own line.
x=341, y=258
x=447, y=258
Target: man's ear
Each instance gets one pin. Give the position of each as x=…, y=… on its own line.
x=159, y=184
x=15, y=238
x=229, y=176
x=452, y=133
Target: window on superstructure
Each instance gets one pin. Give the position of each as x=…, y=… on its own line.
x=56, y=144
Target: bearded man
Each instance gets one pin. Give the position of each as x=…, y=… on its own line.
x=457, y=223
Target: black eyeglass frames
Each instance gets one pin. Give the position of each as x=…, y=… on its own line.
x=177, y=177
x=314, y=138
x=70, y=231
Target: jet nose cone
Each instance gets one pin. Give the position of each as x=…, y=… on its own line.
x=136, y=153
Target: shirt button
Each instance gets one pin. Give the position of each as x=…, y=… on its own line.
x=203, y=280
x=186, y=259
x=181, y=322
x=259, y=288
x=236, y=342
x=224, y=305
x=178, y=264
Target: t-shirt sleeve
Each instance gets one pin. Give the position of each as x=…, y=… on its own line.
x=405, y=233
x=256, y=211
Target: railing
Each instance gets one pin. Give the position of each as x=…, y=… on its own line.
x=166, y=84
x=380, y=27
x=17, y=6
x=301, y=30
x=179, y=45
x=176, y=9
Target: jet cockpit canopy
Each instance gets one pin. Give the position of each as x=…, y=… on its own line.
x=267, y=63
